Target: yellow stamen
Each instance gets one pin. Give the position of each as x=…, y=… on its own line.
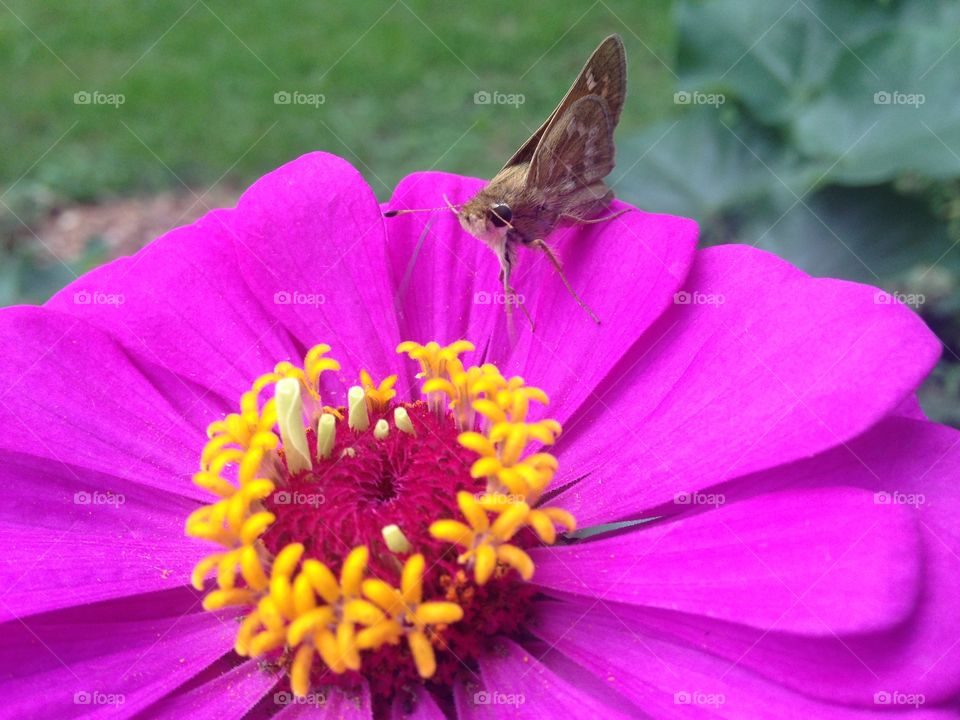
x=378, y=396
x=297, y=603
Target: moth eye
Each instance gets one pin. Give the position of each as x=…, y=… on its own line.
x=501, y=214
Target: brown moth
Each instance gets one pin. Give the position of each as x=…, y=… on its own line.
x=557, y=176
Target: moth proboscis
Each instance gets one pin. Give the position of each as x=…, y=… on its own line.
x=557, y=175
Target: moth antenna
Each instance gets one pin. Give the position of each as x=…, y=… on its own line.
x=541, y=245
x=394, y=213
x=453, y=208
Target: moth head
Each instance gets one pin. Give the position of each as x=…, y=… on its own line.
x=488, y=222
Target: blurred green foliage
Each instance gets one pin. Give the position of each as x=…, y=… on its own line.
x=828, y=133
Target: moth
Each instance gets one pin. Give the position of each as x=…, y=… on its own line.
x=557, y=175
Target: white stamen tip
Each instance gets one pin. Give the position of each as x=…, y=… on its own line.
x=290, y=420
x=357, y=401
x=402, y=420
x=348, y=452
x=381, y=429
x=396, y=541
x=326, y=435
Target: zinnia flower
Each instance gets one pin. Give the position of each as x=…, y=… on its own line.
x=227, y=494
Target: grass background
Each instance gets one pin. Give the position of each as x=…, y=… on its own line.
x=199, y=80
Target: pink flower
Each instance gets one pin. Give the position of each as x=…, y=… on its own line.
x=788, y=545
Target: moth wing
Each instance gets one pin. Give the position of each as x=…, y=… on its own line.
x=577, y=150
x=605, y=75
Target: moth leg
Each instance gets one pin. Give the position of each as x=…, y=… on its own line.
x=541, y=245
x=581, y=221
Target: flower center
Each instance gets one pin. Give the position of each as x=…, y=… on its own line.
x=380, y=539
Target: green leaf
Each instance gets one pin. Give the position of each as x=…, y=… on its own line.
x=893, y=109
x=774, y=56
x=870, y=234
x=705, y=162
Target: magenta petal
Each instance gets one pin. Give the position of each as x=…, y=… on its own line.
x=228, y=695
x=820, y=562
x=760, y=366
x=913, y=465
x=438, y=275
x=74, y=398
x=331, y=703
x=301, y=260
x=627, y=270
x=679, y=680
x=72, y=663
x=447, y=287
x=186, y=308
x=513, y=683
x=73, y=538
